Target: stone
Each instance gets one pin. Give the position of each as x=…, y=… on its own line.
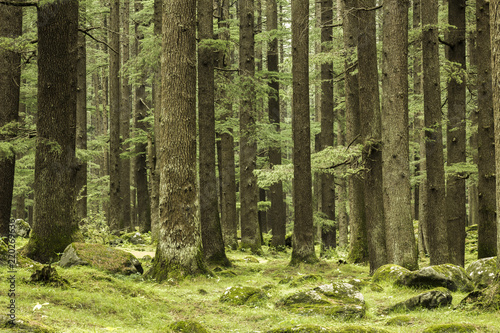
x=482, y=272
x=239, y=295
x=439, y=297
x=100, y=256
x=427, y=277
x=137, y=239
x=22, y=228
x=390, y=273
x=457, y=274
x=187, y=326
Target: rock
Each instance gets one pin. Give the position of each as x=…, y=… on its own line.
x=137, y=239
x=302, y=329
x=337, y=300
x=243, y=295
x=427, y=277
x=452, y=328
x=22, y=228
x=252, y=260
x=489, y=298
x=432, y=299
x=482, y=271
x=102, y=257
x=187, y=326
x=390, y=273
x=457, y=274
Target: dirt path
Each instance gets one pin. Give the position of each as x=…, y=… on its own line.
x=140, y=254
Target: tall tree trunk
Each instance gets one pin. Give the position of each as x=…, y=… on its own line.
x=358, y=251
x=141, y=111
x=249, y=191
x=303, y=231
x=495, y=60
x=116, y=223
x=81, y=122
x=456, y=214
x=400, y=239
x=328, y=232
x=211, y=232
x=369, y=106
x=55, y=225
x=11, y=22
x=435, y=189
x=473, y=195
x=179, y=252
x=276, y=216
x=487, y=228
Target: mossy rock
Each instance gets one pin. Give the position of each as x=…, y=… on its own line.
x=100, y=256
x=439, y=297
x=187, y=326
x=305, y=279
x=360, y=329
x=227, y=273
x=491, y=296
x=390, y=273
x=376, y=288
x=482, y=271
x=452, y=328
x=402, y=320
x=25, y=326
x=457, y=274
x=48, y=275
x=243, y=295
x=427, y=277
x=302, y=329
x=360, y=283
x=251, y=259
x=344, y=292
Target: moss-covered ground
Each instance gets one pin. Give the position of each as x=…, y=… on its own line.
x=96, y=301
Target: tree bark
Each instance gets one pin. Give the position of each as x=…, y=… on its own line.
x=11, y=21
x=487, y=228
x=303, y=231
x=400, y=239
x=179, y=252
x=55, y=224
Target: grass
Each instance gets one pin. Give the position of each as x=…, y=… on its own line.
x=97, y=301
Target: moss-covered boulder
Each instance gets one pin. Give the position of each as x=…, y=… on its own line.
x=303, y=329
x=390, y=273
x=328, y=300
x=401, y=320
x=488, y=298
x=23, y=325
x=100, y=256
x=187, y=326
x=457, y=274
x=22, y=228
x=482, y=272
x=439, y=297
x=427, y=277
x=452, y=328
x=239, y=295
x=304, y=279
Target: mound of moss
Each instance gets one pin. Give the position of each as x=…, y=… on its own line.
x=187, y=326
x=451, y=328
x=239, y=295
x=302, y=329
x=390, y=273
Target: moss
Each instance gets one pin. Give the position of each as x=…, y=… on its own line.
x=451, y=328
x=302, y=329
x=23, y=325
x=402, y=320
x=390, y=273
x=103, y=257
x=187, y=326
x=360, y=329
x=305, y=279
x=457, y=274
x=243, y=295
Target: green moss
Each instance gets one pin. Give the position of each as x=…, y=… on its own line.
x=243, y=295
x=187, y=326
x=23, y=325
x=302, y=329
x=451, y=328
x=402, y=320
x=390, y=273
x=457, y=274
x=360, y=329
x=305, y=279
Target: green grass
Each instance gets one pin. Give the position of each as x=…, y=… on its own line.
x=97, y=301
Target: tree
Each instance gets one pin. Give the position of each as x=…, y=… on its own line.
x=55, y=225
x=328, y=232
x=249, y=191
x=276, y=214
x=358, y=241
x=179, y=251
x=487, y=228
x=435, y=190
x=395, y=137
x=369, y=106
x=11, y=22
x=211, y=233
x=303, y=231
x=495, y=60
x=456, y=214
x=115, y=218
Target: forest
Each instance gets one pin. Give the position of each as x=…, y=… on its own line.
x=235, y=166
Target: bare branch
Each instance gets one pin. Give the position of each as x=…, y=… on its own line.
x=97, y=40
x=20, y=3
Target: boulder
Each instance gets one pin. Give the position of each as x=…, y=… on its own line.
x=457, y=274
x=340, y=300
x=452, y=328
x=102, y=257
x=187, y=326
x=239, y=295
x=427, y=277
x=390, y=273
x=22, y=228
x=488, y=298
x=432, y=299
x=482, y=272
x=136, y=239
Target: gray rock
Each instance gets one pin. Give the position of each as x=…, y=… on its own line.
x=427, y=277
x=482, y=272
x=390, y=273
x=70, y=258
x=22, y=228
x=136, y=239
x=432, y=299
x=457, y=274
x=239, y=295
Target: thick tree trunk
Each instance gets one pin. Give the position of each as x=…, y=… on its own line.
x=358, y=241
x=211, y=233
x=179, y=252
x=303, y=231
x=11, y=21
x=55, y=225
x=435, y=189
x=487, y=229
x=249, y=191
x=400, y=239
x=456, y=214
x=369, y=106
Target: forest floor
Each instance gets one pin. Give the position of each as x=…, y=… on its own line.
x=95, y=301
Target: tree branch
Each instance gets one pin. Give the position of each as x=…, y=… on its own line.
x=370, y=9
x=97, y=40
x=20, y=3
